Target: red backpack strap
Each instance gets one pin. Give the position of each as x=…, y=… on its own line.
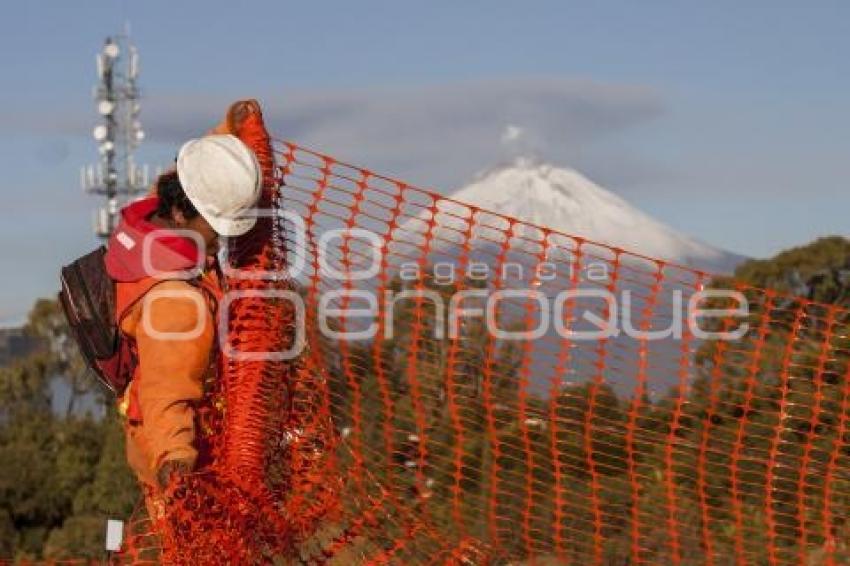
x=128, y=294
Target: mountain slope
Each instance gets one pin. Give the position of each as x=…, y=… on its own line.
x=566, y=201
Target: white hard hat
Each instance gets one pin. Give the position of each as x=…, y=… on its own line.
x=222, y=179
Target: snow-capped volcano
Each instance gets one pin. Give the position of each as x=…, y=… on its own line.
x=566, y=201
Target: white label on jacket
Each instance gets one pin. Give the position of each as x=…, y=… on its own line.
x=125, y=240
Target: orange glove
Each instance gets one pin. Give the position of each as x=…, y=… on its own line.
x=235, y=117
x=170, y=471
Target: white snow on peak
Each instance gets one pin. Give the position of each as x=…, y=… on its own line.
x=566, y=201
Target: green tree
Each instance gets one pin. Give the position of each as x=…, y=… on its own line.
x=65, y=470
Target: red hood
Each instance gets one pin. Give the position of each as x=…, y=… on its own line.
x=168, y=251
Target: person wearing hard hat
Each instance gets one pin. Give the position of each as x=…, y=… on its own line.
x=163, y=259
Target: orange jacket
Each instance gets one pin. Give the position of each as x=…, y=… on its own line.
x=174, y=332
x=171, y=323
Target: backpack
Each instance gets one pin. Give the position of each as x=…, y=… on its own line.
x=88, y=297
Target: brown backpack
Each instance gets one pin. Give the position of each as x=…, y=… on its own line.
x=88, y=297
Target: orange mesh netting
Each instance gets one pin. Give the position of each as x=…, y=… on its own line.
x=487, y=413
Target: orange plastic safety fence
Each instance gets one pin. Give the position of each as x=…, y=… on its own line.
x=473, y=389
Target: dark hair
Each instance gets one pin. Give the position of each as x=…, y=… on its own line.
x=171, y=195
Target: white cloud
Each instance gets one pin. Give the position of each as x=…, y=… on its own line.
x=511, y=134
x=436, y=135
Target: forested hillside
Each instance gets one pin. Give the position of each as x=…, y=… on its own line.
x=62, y=472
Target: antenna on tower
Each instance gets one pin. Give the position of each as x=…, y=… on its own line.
x=116, y=175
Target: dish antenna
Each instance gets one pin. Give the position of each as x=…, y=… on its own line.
x=118, y=134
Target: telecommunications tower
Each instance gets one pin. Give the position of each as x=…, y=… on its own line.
x=116, y=176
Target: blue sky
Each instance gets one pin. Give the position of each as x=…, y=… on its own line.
x=728, y=120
